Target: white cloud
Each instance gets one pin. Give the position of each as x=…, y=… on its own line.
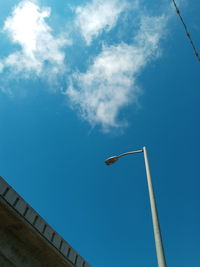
x=97, y=16
x=38, y=47
x=110, y=82
x=1, y=67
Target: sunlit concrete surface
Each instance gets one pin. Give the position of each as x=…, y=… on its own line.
x=27, y=240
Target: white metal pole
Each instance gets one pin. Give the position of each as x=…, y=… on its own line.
x=155, y=220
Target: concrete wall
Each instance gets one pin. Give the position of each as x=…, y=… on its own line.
x=27, y=240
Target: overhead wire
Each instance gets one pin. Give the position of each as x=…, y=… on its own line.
x=186, y=30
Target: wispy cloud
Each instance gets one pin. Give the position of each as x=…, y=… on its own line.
x=39, y=51
x=110, y=82
x=97, y=16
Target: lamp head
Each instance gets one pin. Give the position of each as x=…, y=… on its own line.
x=111, y=160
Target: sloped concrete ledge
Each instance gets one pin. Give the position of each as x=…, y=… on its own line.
x=27, y=239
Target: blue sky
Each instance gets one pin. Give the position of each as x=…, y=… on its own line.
x=84, y=80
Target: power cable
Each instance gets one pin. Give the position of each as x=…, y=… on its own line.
x=186, y=30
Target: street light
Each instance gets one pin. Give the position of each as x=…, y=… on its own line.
x=156, y=227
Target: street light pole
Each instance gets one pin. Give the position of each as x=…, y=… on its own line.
x=156, y=227
x=155, y=220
